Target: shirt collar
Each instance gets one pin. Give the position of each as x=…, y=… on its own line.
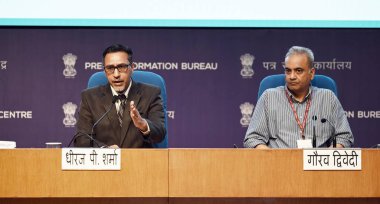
x=294, y=99
x=114, y=93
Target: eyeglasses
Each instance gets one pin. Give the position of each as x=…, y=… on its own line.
x=110, y=69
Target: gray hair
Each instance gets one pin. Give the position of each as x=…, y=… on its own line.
x=298, y=50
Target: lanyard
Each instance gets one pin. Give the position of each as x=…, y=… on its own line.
x=303, y=125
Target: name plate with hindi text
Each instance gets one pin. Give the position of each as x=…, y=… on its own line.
x=332, y=159
x=91, y=159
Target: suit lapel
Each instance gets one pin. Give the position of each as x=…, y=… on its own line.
x=107, y=101
x=133, y=95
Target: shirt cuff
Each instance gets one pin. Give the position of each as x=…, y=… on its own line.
x=147, y=131
x=252, y=143
x=345, y=143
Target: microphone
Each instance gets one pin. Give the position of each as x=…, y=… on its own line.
x=323, y=120
x=314, y=136
x=376, y=146
x=80, y=134
x=114, y=99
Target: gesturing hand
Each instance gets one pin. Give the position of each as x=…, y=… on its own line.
x=138, y=121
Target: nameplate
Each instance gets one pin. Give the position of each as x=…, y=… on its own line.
x=91, y=159
x=332, y=159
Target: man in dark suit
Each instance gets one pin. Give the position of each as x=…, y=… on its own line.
x=136, y=115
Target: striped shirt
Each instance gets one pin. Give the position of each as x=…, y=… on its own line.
x=273, y=122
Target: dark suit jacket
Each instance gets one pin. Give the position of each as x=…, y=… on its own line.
x=96, y=101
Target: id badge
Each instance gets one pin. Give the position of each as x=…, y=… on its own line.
x=302, y=144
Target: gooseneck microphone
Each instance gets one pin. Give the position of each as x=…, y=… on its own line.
x=314, y=136
x=80, y=134
x=114, y=99
x=323, y=120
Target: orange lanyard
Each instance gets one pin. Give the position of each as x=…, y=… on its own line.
x=303, y=125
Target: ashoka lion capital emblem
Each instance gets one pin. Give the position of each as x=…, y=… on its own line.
x=69, y=109
x=246, y=112
x=69, y=60
x=247, y=62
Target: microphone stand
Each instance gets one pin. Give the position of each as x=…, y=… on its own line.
x=92, y=139
x=314, y=136
x=323, y=120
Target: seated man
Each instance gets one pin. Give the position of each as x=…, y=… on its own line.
x=136, y=114
x=285, y=116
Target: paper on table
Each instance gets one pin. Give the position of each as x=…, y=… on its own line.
x=7, y=144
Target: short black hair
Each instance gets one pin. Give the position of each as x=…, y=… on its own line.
x=119, y=48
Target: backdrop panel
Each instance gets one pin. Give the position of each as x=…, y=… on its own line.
x=212, y=77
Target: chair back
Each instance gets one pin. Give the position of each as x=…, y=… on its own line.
x=320, y=81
